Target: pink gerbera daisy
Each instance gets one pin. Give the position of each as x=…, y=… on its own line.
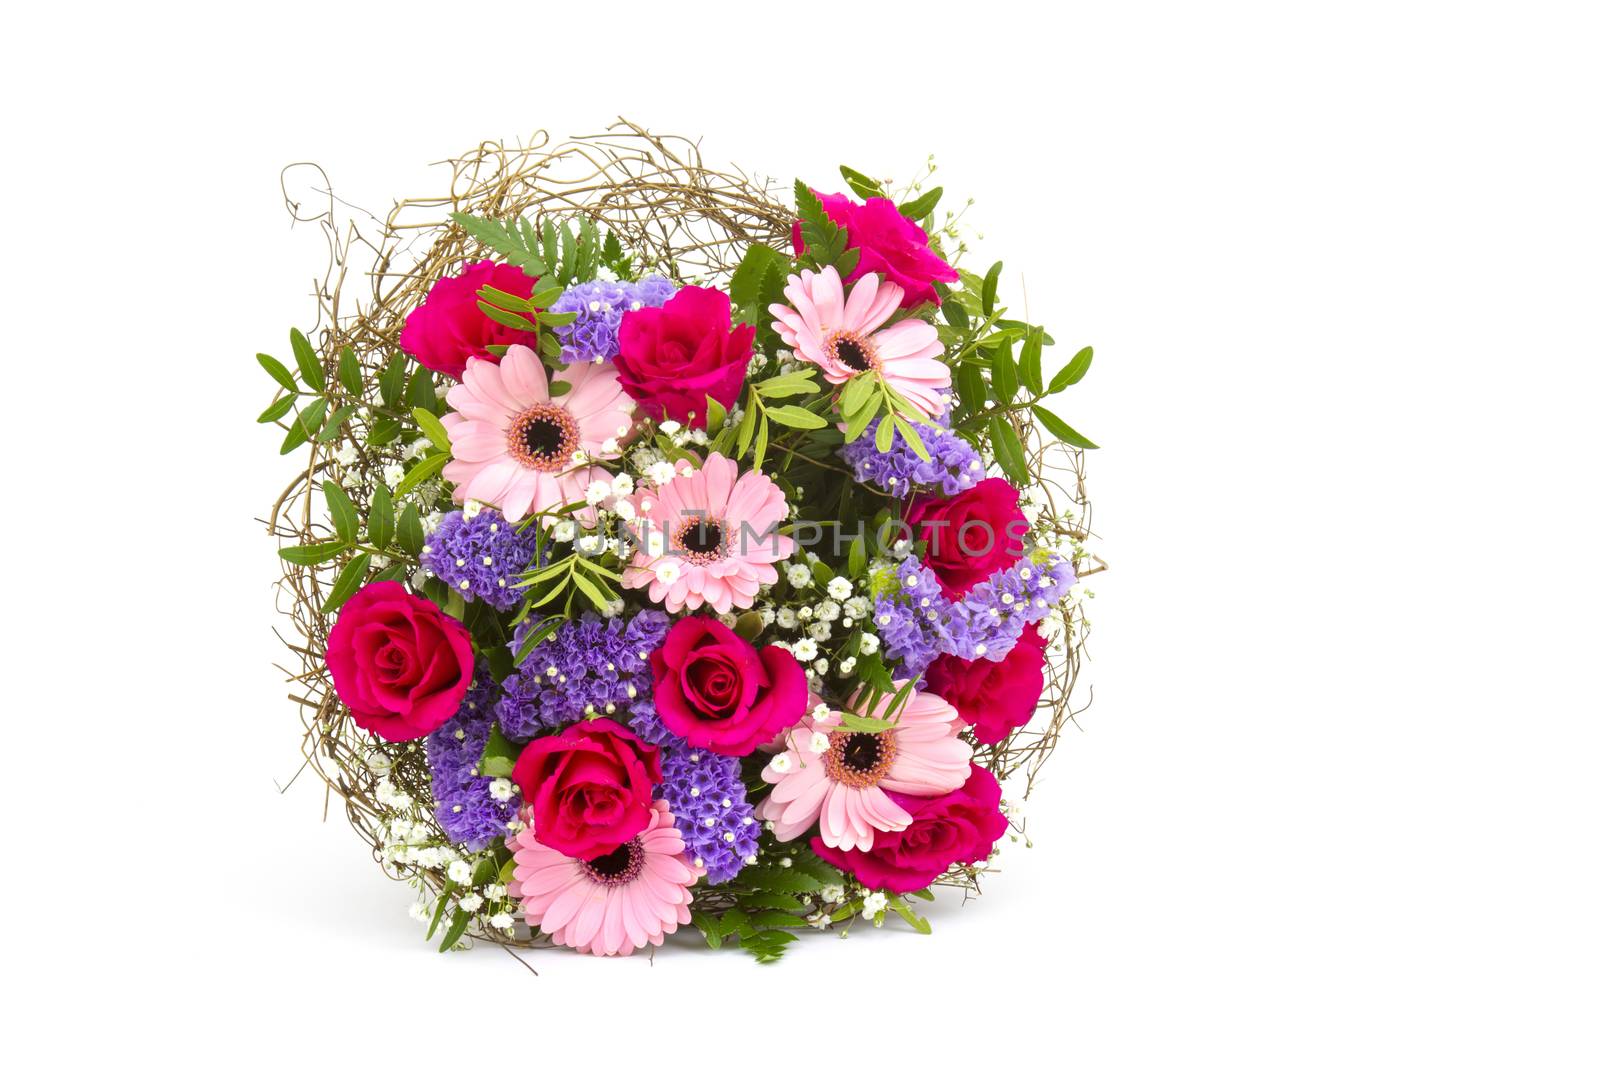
x=613, y=904
x=517, y=447
x=709, y=536
x=843, y=337
x=841, y=779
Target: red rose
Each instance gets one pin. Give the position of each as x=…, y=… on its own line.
x=958, y=827
x=970, y=535
x=714, y=690
x=400, y=664
x=672, y=357
x=447, y=328
x=589, y=787
x=890, y=244
x=994, y=698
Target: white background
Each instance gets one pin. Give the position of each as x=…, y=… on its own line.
x=1336, y=799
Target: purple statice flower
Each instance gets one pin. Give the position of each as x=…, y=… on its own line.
x=467, y=812
x=480, y=557
x=589, y=664
x=918, y=623
x=707, y=798
x=952, y=466
x=600, y=305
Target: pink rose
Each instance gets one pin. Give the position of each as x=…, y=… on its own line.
x=958, y=827
x=588, y=788
x=447, y=328
x=672, y=357
x=400, y=664
x=717, y=692
x=890, y=244
x=970, y=535
x=994, y=698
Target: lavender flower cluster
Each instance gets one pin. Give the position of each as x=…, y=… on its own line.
x=952, y=465
x=467, y=811
x=588, y=664
x=918, y=623
x=600, y=305
x=480, y=557
x=707, y=798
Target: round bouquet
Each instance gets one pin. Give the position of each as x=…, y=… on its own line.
x=667, y=553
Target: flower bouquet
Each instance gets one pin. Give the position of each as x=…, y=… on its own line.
x=665, y=554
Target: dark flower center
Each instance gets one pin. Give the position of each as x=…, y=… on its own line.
x=852, y=351
x=859, y=759
x=701, y=540
x=543, y=438
x=618, y=866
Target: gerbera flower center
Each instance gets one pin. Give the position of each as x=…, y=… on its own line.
x=853, y=350
x=617, y=867
x=859, y=760
x=543, y=438
x=701, y=540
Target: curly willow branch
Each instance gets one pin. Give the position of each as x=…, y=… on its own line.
x=672, y=212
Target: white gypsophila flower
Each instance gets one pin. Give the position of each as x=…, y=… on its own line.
x=873, y=905
x=494, y=892
x=624, y=510
x=351, y=479
x=471, y=902
x=612, y=608
x=828, y=610
x=819, y=668
x=417, y=833
x=419, y=578
x=591, y=544
x=857, y=607
x=840, y=588
x=669, y=571
x=781, y=763
x=501, y=789
x=847, y=666
x=379, y=763
x=391, y=796
x=661, y=472
x=728, y=619
x=821, y=920
x=805, y=613
x=596, y=493
x=471, y=509
x=819, y=742
x=805, y=650
x=392, y=473
x=420, y=912
x=501, y=921
x=821, y=712
x=347, y=454
x=1050, y=627
x=622, y=485
x=799, y=575
x=901, y=549
x=821, y=631
x=669, y=427
x=786, y=618
x=832, y=894
x=869, y=644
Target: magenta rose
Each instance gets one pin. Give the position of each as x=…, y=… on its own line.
x=993, y=697
x=400, y=664
x=448, y=328
x=588, y=788
x=717, y=692
x=970, y=535
x=958, y=827
x=672, y=357
x=890, y=244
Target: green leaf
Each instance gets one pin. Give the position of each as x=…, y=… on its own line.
x=779, y=880
x=427, y=468
x=795, y=383
x=708, y=926
x=861, y=185
x=515, y=241
x=857, y=391
x=745, y=285
x=923, y=206
x=991, y=288
x=858, y=556
x=955, y=314
x=1008, y=450
x=458, y=926
x=861, y=724
x=312, y=554
x=340, y=416
x=798, y=417
x=409, y=530
x=915, y=921
x=760, y=454
x=506, y=318
x=380, y=517
x=277, y=409
x=279, y=372
x=913, y=438
x=346, y=523
x=392, y=382
x=305, y=358
x=350, y=371
x=1003, y=374
x=432, y=428
x=1073, y=372
x=1030, y=362
x=349, y=580
x=885, y=435
x=1050, y=421
x=596, y=595
x=499, y=754
x=438, y=913
x=970, y=387
x=716, y=415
